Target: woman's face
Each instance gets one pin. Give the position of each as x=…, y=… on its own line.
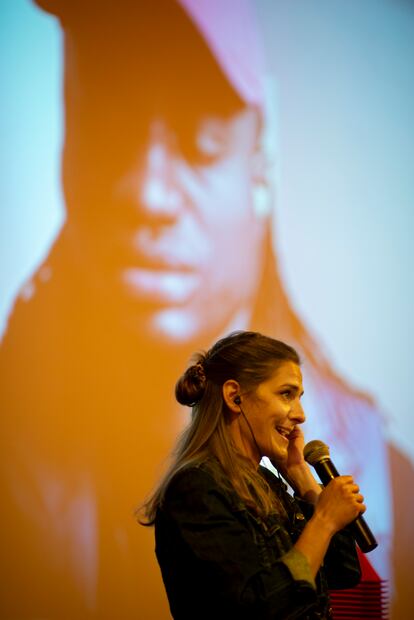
x=273, y=411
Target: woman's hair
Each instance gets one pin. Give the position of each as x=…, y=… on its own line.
x=248, y=358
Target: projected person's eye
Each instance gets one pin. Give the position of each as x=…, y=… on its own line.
x=209, y=143
x=213, y=139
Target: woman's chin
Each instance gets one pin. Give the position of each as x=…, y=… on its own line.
x=279, y=457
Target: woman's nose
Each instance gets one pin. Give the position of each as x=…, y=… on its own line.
x=297, y=413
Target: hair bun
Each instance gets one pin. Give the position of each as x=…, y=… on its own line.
x=191, y=385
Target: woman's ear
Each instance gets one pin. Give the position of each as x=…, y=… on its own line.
x=231, y=395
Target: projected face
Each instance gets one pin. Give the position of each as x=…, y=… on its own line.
x=193, y=254
x=160, y=202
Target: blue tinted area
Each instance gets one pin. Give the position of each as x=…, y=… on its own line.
x=31, y=129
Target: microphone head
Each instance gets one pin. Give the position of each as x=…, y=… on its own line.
x=315, y=451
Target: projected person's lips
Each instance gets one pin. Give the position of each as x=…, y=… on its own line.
x=161, y=284
x=162, y=268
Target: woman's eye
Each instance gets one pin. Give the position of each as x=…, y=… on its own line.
x=286, y=394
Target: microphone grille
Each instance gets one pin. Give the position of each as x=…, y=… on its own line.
x=314, y=451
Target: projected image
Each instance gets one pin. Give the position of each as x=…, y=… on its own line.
x=169, y=242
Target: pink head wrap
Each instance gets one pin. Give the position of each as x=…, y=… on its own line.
x=230, y=29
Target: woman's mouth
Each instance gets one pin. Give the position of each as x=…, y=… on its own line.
x=285, y=432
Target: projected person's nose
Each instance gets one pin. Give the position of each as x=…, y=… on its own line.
x=160, y=193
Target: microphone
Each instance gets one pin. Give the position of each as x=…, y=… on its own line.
x=316, y=453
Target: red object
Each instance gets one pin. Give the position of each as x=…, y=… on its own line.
x=369, y=599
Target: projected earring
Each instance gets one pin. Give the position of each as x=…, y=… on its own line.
x=261, y=200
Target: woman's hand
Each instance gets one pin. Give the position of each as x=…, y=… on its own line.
x=295, y=456
x=295, y=469
x=339, y=503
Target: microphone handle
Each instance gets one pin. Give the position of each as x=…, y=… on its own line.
x=364, y=538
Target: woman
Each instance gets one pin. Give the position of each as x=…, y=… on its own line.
x=230, y=540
